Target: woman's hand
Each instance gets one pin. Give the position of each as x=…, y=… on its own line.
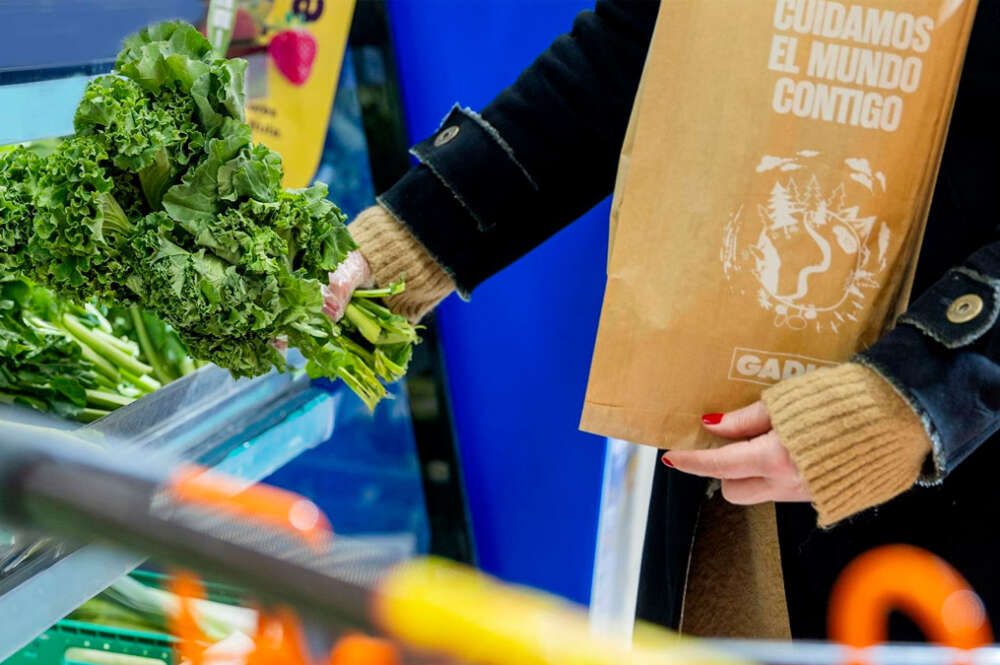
x=353, y=273
x=755, y=469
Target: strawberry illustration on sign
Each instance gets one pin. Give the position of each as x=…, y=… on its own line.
x=293, y=52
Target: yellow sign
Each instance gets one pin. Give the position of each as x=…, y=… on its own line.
x=292, y=75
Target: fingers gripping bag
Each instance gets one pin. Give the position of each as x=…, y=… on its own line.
x=771, y=198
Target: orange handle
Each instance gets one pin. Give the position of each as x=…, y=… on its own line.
x=911, y=580
x=276, y=507
x=362, y=650
x=279, y=639
x=183, y=624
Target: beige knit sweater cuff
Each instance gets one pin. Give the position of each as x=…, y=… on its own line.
x=854, y=439
x=394, y=253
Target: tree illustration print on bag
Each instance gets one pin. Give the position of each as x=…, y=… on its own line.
x=809, y=253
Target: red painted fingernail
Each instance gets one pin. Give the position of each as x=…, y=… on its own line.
x=712, y=418
x=667, y=461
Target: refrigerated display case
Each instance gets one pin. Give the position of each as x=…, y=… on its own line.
x=365, y=470
x=247, y=428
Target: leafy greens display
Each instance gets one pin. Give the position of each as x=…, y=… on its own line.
x=71, y=360
x=161, y=199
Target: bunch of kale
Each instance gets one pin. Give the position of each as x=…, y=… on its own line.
x=161, y=199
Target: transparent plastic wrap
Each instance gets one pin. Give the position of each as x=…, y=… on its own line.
x=183, y=415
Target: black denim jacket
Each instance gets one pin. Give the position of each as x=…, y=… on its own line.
x=489, y=187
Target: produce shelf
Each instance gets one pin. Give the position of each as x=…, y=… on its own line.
x=246, y=428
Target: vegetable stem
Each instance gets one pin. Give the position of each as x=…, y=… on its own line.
x=104, y=324
x=85, y=335
x=395, y=329
x=380, y=312
x=104, y=382
x=146, y=384
x=101, y=398
x=367, y=388
x=355, y=348
x=102, y=365
x=89, y=414
x=123, y=345
x=393, y=289
x=159, y=369
x=366, y=324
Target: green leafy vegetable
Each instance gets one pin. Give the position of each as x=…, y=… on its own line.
x=79, y=230
x=161, y=201
x=18, y=181
x=157, y=342
x=154, y=141
x=67, y=359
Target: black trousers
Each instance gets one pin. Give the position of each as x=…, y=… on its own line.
x=673, y=516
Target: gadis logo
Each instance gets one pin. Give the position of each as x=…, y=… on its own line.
x=768, y=367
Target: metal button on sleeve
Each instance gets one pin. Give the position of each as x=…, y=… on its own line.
x=446, y=135
x=965, y=308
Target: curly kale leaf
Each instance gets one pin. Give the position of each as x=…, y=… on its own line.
x=230, y=282
x=313, y=228
x=80, y=230
x=164, y=52
x=197, y=290
x=176, y=53
x=317, y=229
x=19, y=170
x=156, y=138
x=196, y=200
x=255, y=173
x=222, y=312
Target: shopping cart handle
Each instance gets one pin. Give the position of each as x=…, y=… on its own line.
x=915, y=582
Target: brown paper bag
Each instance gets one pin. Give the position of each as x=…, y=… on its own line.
x=771, y=199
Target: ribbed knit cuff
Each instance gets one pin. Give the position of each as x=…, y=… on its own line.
x=854, y=439
x=393, y=253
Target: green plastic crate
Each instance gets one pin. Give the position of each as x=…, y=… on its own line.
x=67, y=642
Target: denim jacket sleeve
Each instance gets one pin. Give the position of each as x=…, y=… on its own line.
x=944, y=357
x=948, y=366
